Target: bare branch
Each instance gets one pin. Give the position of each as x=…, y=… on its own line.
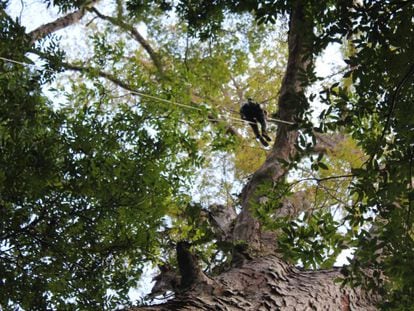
x=319, y=180
x=222, y=219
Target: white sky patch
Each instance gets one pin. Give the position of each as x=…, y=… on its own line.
x=27, y=13
x=342, y=258
x=145, y=285
x=329, y=61
x=328, y=66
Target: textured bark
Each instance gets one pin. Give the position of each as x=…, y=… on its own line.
x=268, y=283
x=221, y=219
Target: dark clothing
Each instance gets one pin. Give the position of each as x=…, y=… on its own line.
x=253, y=113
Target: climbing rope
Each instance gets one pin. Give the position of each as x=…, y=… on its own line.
x=159, y=99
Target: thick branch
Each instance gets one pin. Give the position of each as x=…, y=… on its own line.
x=221, y=219
x=100, y=73
x=138, y=37
x=60, y=23
x=292, y=206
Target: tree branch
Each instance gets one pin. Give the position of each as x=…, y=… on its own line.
x=136, y=35
x=221, y=218
x=191, y=273
x=60, y=23
x=85, y=69
x=100, y=73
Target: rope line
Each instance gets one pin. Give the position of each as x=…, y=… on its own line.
x=159, y=98
x=165, y=100
x=281, y=121
x=269, y=119
x=17, y=62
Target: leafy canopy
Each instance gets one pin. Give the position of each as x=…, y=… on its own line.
x=86, y=183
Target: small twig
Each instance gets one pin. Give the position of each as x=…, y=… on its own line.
x=91, y=21
x=319, y=180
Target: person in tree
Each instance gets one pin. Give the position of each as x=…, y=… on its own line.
x=253, y=112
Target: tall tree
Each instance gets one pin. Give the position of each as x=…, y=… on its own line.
x=94, y=188
x=259, y=278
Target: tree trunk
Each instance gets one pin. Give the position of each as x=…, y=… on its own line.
x=291, y=104
x=268, y=283
x=261, y=280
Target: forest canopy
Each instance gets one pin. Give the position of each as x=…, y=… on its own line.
x=122, y=150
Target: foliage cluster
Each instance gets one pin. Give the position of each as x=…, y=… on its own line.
x=377, y=112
